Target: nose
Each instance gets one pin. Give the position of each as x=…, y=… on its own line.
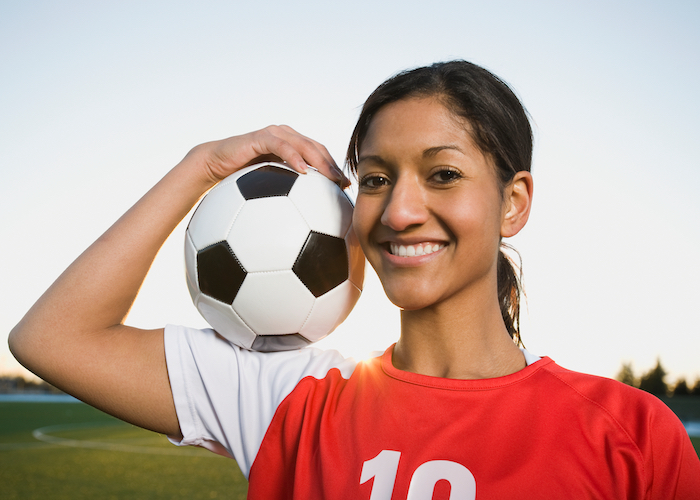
x=405, y=205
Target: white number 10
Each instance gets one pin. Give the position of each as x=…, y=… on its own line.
x=384, y=467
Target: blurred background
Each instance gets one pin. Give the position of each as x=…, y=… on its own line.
x=100, y=99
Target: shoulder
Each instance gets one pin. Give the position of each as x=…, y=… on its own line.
x=632, y=419
x=226, y=396
x=620, y=401
x=642, y=418
x=604, y=391
x=206, y=350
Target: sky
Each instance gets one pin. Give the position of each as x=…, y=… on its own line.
x=99, y=100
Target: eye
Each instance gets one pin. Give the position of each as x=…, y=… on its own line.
x=373, y=181
x=446, y=176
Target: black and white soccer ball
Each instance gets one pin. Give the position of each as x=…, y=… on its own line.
x=271, y=258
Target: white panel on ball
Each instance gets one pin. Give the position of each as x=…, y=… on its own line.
x=211, y=222
x=282, y=294
x=268, y=234
x=316, y=190
x=225, y=321
x=329, y=310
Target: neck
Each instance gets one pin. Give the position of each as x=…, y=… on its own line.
x=457, y=342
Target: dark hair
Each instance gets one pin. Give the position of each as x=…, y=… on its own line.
x=499, y=126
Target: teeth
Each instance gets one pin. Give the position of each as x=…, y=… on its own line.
x=414, y=250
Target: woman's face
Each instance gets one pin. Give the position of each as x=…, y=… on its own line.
x=429, y=210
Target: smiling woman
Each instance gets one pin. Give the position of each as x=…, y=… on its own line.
x=479, y=108
x=423, y=182
x=443, y=158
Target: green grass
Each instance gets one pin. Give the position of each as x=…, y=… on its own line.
x=153, y=468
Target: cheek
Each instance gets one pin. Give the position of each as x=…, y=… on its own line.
x=477, y=222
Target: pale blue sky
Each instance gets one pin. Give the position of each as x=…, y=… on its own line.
x=99, y=101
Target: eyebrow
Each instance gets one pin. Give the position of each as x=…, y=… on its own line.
x=428, y=153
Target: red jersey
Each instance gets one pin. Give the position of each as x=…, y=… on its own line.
x=339, y=429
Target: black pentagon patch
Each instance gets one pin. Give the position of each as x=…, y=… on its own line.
x=219, y=272
x=322, y=263
x=271, y=343
x=266, y=181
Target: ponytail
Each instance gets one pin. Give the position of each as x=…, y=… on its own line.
x=509, y=291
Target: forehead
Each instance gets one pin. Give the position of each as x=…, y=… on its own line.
x=416, y=123
x=416, y=127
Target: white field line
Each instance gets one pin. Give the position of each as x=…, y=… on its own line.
x=43, y=434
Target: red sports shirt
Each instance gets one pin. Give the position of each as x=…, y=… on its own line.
x=311, y=425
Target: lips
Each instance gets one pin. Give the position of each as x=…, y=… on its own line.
x=418, y=249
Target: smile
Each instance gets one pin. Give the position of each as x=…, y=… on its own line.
x=415, y=250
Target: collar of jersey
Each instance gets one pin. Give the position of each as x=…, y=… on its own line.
x=535, y=363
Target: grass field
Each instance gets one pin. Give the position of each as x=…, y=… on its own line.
x=92, y=455
x=72, y=451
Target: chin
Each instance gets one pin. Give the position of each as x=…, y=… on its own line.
x=409, y=301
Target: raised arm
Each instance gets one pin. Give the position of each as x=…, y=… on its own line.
x=74, y=336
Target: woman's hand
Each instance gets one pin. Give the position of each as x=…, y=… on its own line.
x=218, y=159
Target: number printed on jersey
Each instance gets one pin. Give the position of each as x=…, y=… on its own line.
x=385, y=466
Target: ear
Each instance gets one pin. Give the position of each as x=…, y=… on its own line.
x=517, y=200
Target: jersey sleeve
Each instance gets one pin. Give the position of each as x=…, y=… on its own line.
x=675, y=466
x=225, y=396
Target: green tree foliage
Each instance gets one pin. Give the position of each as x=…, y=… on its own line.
x=653, y=380
x=681, y=388
x=695, y=391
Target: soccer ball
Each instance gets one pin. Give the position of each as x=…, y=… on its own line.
x=272, y=261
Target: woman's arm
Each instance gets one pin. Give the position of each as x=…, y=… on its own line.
x=74, y=336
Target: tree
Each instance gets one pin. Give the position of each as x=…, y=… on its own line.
x=681, y=388
x=653, y=380
x=626, y=375
x=695, y=391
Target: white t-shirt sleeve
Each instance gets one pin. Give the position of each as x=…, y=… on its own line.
x=225, y=397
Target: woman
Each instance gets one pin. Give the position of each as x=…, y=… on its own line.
x=454, y=409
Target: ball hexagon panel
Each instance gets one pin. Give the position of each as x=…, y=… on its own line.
x=282, y=294
x=266, y=181
x=314, y=190
x=268, y=234
x=322, y=264
x=219, y=273
x=330, y=310
x=212, y=220
x=225, y=321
